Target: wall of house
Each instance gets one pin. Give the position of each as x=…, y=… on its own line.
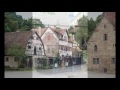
x=35, y=42
x=105, y=49
x=11, y=61
x=65, y=42
x=50, y=41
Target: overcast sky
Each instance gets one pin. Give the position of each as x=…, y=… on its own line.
x=59, y=17
x=93, y=14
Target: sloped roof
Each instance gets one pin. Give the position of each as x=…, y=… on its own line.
x=111, y=17
x=16, y=37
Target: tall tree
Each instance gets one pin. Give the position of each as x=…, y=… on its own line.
x=98, y=19
x=82, y=33
x=91, y=26
x=70, y=29
x=14, y=22
x=37, y=23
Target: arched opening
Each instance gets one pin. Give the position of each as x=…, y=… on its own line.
x=95, y=48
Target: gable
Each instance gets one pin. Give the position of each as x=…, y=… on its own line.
x=100, y=29
x=49, y=31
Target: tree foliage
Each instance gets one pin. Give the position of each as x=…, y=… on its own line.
x=87, y=26
x=37, y=23
x=15, y=22
x=82, y=32
x=16, y=50
x=91, y=26
x=70, y=29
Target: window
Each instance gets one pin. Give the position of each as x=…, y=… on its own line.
x=39, y=48
x=95, y=48
x=113, y=61
x=95, y=60
x=49, y=37
x=105, y=70
x=37, y=38
x=105, y=26
x=34, y=50
x=7, y=59
x=105, y=37
x=16, y=59
x=29, y=47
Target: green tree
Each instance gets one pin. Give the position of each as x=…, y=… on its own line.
x=37, y=23
x=98, y=19
x=70, y=29
x=91, y=26
x=14, y=22
x=82, y=32
x=18, y=51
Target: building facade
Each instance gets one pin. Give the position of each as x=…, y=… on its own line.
x=56, y=43
x=102, y=46
x=29, y=40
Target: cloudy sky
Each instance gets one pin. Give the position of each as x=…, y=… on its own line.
x=60, y=16
x=93, y=14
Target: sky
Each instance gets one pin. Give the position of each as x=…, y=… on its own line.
x=93, y=15
x=58, y=18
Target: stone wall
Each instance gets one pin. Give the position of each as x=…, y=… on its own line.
x=105, y=49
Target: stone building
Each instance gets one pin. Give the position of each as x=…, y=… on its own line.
x=102, y=45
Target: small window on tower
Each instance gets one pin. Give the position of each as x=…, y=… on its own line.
x=105, y=37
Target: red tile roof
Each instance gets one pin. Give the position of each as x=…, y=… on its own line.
x=111, y=16
x=16, y=37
